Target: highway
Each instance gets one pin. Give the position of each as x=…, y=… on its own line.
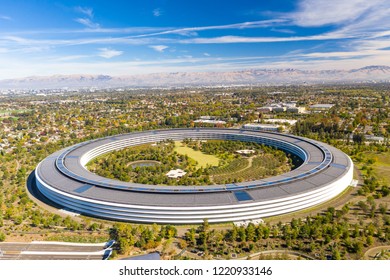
x=53, y=251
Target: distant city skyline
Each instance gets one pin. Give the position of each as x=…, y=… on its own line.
x=134, y=37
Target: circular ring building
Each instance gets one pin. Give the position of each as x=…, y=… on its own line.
x=63, y=179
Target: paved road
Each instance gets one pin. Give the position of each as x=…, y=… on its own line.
x=275, y=252
x=51, y=251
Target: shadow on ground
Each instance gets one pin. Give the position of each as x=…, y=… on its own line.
x=36, y=195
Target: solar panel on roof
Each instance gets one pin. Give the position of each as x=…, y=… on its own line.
x=72, y=157
x=104, y=180
x=242, y=196
x=83, y=188
x=122, y=187
x=341, y=166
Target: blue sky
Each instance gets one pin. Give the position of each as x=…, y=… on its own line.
x=137, y=37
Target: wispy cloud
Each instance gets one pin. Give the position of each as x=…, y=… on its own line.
x=364, y=24
x=109, y=53
x=85, y=10
x=241, y=25
x=322, y=12
x=157, y=12
x=88, y=20
x=70, y=57
x=25, y=48
x=3, y=17
x=187, y=31
x=158, y=48
x=283, y=30
x=14, y=41
x=184, y=31
x=352, y=33
x=243, y=39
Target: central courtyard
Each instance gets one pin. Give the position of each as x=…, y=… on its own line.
x=201, y=162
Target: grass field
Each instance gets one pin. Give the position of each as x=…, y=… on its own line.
x=381, y=165
x=10, y=112
x=5, y=114
x=202, y=159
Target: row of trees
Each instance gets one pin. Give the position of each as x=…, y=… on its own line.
x=140, y=236
x=323, y=235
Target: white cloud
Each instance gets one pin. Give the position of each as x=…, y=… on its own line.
x=87, y=22
x=365, y=23
x=186, y=33
x=344, y=54
x=359, y=32
x=283, y=30
x=109, y=53
x=191, y=31
x=371, y=44
x=16, y=41
x=85, y=10
x=242, y=39
x=158, y=48
x=3, y=17
x=330, y=64
x=157, y=12
x=125, y=30
x=70, y=57
x=322, y=12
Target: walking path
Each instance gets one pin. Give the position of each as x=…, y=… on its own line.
x=373, y=253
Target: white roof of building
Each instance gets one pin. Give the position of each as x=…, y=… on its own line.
x=322, y=106
x=260, y=125
x=291, y=122
x=210, y=121
x=245, y=151
x=176, y=173
x=375, y=138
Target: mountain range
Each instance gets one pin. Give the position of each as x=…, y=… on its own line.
x=368, y=74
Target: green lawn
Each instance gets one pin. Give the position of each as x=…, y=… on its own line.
x=381, y=166
x=202, y=159
x=9, y=114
